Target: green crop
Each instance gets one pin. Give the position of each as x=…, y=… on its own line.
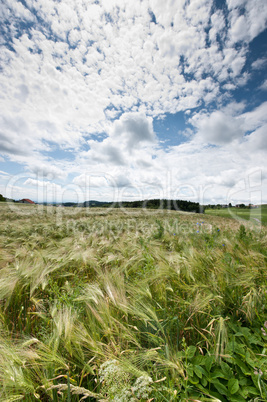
x=132, y=305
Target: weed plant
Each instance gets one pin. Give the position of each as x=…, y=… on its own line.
x=131, y=305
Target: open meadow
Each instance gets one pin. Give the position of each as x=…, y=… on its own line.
x=131, y=305
x=255, y=215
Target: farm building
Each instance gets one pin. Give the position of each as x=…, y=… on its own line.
x=26, y=201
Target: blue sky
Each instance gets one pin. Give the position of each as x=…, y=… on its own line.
x=128, y=99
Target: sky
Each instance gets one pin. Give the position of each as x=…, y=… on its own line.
x=133, y=99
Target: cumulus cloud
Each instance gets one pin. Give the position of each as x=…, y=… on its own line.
x=93, y=78
x=218, y=128
x=79, y=64
x=134, y=129
x=255, y=118
x=90, y=180
x=42, y=183
x=46, y=170
x=16, y=137
x=128, y=137
x=247, y=19
x=257, y=140
x=101, y=180
x=105, y=151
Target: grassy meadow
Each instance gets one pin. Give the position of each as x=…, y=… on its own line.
x=131, y=305
x=255, y=215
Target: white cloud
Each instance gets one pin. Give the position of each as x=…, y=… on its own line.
x=46, y=170
x=90, y=180
x=246, y=26
x=105, y=152
x=259, y=63
x=42, y=183
x=218, y=26
x=67, y=79
x=130, y=136
x=257, y=140
x=217, y=128
x=132, y=56
x=255, y=118
x=134, y=129
x=264, y=85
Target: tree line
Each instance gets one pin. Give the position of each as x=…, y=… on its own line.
x=175, y=205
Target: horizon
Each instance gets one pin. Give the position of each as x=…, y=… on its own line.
x=126, y=201
x=133, y=99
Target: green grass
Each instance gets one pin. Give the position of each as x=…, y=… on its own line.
x=254, y=215
x=131, y=305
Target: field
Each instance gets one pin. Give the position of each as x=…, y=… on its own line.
x=131, y=305
x=255, y=215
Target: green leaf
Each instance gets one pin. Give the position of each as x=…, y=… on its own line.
x=210, y=392
x=233, y=385
x=238, y=348
x=190, y=351
x=237, y=398
x=251, y=390
x=242, y=366
x=194, y=380
x=256, y=340
x=249, y=360
x=220, y=387
x=255, y=379
x=204, y=381
x=244, y=380
x=190, y=371
x=208, y=362
x=199, y=360
x=226, y=370
x=217, y=373
x=198, y=371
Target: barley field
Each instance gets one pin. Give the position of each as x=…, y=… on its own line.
x=131, y=305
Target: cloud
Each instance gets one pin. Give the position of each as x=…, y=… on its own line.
x=101, y=180
x=122, y=181
x=42, y=183
x=46, y=170
x=247, y=19
x=259, y=63
x=15, y=138
x=128, y=137
x=257, y=140
x=134, y=129
x=263, y=86
x=255, y=118
x=90, y=180
x=229, y=125
x=92, y=79
x=217, y=128
x=73, y=68
x=105, y=152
